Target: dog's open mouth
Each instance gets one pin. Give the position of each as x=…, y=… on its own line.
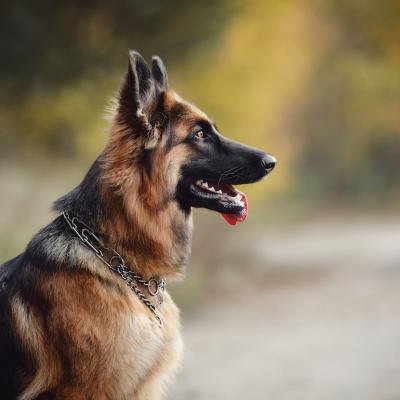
x=231, y=203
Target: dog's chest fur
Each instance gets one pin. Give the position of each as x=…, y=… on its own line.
x=141, y=356
x=135, y=355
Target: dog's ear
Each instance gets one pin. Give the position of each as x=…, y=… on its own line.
x=159, y=73
x=138, y=99
x=139, y=77
x=138, y=83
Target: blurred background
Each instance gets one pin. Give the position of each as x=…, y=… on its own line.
x=301, y=301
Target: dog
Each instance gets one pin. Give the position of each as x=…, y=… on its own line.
x=84, y=311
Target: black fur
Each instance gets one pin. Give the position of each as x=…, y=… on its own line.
x=14, y=362
x=85, y=199
x=216, y=155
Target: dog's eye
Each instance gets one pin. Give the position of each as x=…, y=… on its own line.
x=200, y=134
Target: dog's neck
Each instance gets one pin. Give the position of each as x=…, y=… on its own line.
x=153, y=244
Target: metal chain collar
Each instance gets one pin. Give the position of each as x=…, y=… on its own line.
x=116, y=263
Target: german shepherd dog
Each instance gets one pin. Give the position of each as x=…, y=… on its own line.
x=84, y=313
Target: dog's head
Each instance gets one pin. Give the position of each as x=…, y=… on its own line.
x=168, y=151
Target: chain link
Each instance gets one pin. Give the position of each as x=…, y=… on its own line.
x=116, y=263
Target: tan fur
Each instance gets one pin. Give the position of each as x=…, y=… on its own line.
x=147, y=203
x=95, y=339
x=31, y=333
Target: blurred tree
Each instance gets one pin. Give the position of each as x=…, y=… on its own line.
x=53, y=52
x=350, y=115
x=50, y=43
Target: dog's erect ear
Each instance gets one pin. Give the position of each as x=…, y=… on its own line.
x=138, y=83
x=139, y=98
x=139, y=76
x=159, y=73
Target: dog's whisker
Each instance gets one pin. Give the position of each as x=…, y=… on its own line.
x=228, y=173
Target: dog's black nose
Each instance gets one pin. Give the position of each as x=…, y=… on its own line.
x=268, y=162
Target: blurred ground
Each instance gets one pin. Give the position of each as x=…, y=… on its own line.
x=318, y=320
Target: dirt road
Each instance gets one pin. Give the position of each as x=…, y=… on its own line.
x=323, y=324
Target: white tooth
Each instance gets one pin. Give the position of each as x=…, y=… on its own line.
x=219, y=191
x=212, y=189
x=241, y=203
x=205, y=184
x=238, y=197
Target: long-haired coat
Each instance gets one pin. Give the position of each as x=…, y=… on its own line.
x=71, y=327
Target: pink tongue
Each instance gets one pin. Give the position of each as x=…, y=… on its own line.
x=232, y=219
